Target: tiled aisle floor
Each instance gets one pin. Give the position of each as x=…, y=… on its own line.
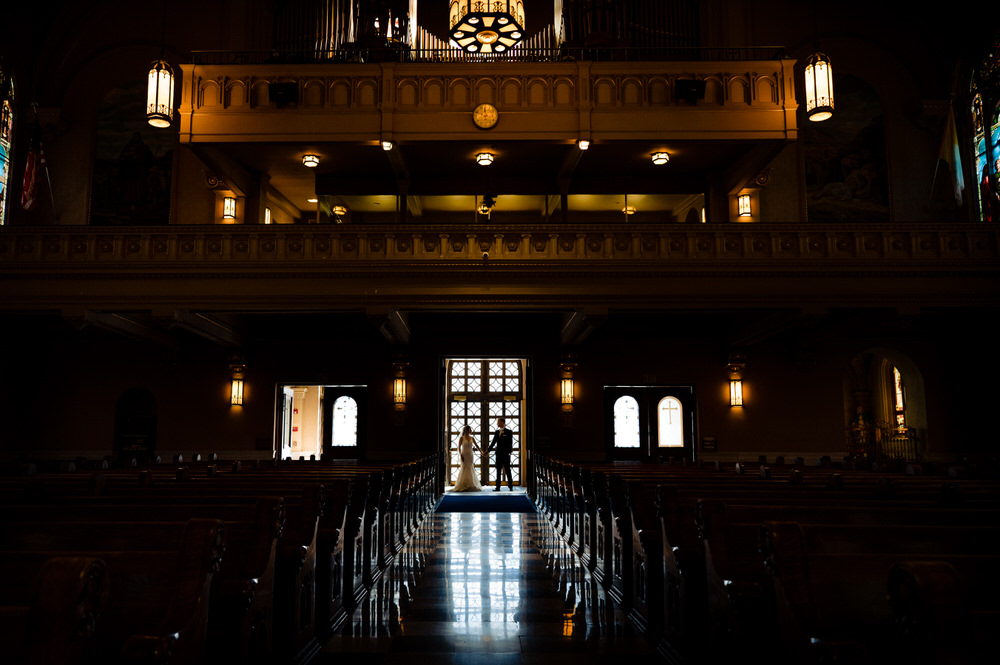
x=485, y=595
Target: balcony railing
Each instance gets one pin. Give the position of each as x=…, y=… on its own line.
x=727, y=246
x=562, y=53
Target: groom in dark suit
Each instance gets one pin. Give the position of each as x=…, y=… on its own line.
x=503, y=441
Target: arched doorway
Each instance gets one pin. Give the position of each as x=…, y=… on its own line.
x=135, y=426
x=885, y=410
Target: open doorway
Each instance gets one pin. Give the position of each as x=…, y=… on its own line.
x=320, y=421
x=478, y=391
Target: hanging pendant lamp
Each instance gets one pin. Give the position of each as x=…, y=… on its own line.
x=819, y=87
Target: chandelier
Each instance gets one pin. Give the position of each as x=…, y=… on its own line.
x=486, y=26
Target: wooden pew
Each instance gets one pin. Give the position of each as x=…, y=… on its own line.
x=158, y=588
x=688, y=561
x=49, y=609
x=830, y=582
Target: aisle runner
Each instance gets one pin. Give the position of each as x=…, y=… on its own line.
x=485, y=502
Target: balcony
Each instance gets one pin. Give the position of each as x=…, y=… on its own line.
x=541, y=265
x=720, y=120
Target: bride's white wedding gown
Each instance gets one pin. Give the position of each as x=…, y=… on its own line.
x=467, y=480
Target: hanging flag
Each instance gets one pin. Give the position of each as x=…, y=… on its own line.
x=29, y=193
x=949, y=154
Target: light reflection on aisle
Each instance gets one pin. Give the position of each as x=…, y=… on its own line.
x=483, y=579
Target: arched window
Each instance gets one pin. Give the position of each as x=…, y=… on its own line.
x=6, y=138
x=626, y=422
x=670, y=423
x=345, y=422
x=985, y=118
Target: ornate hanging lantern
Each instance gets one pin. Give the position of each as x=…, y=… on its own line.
x=486, y=26
x=160, y=95
x=819, y=87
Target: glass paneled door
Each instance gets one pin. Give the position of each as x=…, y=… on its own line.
x=480, y=391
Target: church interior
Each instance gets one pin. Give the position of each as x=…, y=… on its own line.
x=699, y=254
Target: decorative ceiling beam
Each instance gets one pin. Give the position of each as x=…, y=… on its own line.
x=208, y=327
x=129, y=327
x=578, y=324
x=393, y=324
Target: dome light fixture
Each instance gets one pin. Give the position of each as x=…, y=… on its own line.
x=660, y=158
x=312, y=161
x=484, y=158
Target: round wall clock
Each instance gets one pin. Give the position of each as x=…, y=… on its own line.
x=485, y=116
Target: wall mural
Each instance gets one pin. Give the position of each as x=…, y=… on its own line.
x=846, y=174
x=132, y=162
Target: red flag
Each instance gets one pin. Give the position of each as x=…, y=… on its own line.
x=29, y=193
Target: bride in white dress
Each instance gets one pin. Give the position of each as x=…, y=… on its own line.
x=467, y=480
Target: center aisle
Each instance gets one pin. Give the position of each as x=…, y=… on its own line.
x=474, y=589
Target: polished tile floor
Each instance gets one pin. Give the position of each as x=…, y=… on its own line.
x=490, y=589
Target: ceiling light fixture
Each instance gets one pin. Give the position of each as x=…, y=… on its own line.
x=660, y=158
x=312, y=161
x=387, y=145
x=583, y=144
x=484, y=158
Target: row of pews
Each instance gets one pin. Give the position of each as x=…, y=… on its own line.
x=202, y=561
x=803, y=564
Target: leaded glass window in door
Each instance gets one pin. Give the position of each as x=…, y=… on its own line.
x=479, y=392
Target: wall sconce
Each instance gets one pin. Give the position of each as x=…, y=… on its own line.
x=737, y=362
x=229, y=207
x=735, y=392
x=660, y=158
x=236, y=367
x=744, y=205
x=566, y=392
x=312, y=161
x=399, y=384
x=236, y=393
x=484, y=158
x=566, y=385
x=399, y=391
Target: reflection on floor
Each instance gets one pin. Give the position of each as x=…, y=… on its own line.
x=475, y=588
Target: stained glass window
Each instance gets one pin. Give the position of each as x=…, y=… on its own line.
x=899, y=405
x=6, y=138
x=985, y=117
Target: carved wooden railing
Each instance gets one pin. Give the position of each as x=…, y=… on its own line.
x=929, y=247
